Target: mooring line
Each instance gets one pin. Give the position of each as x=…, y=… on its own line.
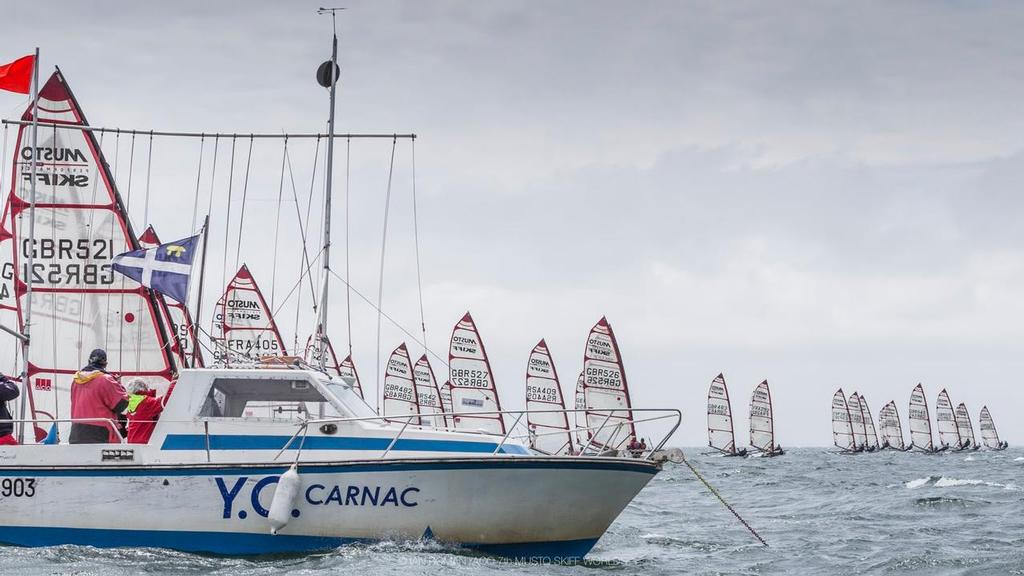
x=722, y=500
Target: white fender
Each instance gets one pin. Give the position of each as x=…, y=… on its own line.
x=284, y=498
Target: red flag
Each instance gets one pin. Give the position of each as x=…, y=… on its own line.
x=17, y=76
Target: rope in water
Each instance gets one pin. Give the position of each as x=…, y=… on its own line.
x=722, y=500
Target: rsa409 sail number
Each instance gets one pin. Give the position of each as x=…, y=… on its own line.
x=18, y=487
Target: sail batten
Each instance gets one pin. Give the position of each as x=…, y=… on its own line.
x=721, y=434
x=472, y=381
x=549, y=431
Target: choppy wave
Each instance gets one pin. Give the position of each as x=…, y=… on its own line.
x=945, y=482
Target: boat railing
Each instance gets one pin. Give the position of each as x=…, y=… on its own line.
x=672, y=415
x=108, y=421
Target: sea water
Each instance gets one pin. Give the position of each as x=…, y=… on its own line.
x=821, y=513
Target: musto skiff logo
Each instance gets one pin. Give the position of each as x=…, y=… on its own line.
x=313, y=494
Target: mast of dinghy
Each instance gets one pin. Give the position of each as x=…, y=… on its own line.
x=331, y=76
x=27, y=324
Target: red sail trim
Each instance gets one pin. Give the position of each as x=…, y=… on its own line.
x=399, y=356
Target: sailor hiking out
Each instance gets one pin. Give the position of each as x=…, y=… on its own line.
x=97, y=396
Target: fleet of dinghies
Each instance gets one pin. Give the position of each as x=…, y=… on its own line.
x=242, y=414
x=853, y=429
x=721, y=431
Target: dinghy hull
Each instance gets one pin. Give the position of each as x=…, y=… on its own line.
x=535, y=508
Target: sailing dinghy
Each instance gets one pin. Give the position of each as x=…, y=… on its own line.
x=869, y=426
x=428, y=396
x=606, y=393
x=762, y=423
x=399, y=396
x=892, y=430
x=920, y=422
x=244, y=330
x=580, y=416
x=842, y=424
x=346, y=369
x=945, y=421
x=989, y=435
x=475, y=401
x=721, y=434
x=860, y=430
x=549, y=431
x=965, y=429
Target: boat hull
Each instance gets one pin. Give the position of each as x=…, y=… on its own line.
x=537, y=508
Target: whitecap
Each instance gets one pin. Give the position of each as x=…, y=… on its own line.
x=918, y=482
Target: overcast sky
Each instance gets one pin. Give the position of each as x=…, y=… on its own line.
x=822, y=194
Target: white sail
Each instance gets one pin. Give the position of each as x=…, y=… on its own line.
x=549, y=431
x=860, y=429
x=762, y=425
x=472, y=381
x=580, y=417
x=399, y=396
x=78, y=302
x=920, y=420
x=869, y=424
x=989, y=435
x=446, y=403
x=964, y=427
x=720, y=428
x=428, y=396
x=889, y=423
x=605, y=390
x=945, y=422
x=177, y=317
x=244, y=330
x=842, y=428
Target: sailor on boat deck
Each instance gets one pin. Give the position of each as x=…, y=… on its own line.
x=96, y=394
x=8, y=392
x=144, y=409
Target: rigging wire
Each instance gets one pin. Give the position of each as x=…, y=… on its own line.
x=302, y=231
x=227, y=225
x=149, y=167
x=199, y=177
x=131, y=166
x=380, y=280
x=348, y=236
x=277, y=229
x=245, y=193
x=721, y=499
x=416, y=241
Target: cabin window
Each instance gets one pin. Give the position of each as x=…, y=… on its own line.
x=284, y=399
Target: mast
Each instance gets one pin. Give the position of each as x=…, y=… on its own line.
x=331, y=76
x=27, y=327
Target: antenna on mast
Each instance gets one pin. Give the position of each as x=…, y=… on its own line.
x=327, y=76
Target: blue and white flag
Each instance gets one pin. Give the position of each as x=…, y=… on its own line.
x=164, y=269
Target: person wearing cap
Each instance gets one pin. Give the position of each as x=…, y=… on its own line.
x=8, y=391
x=143, y=411
x=96, y=400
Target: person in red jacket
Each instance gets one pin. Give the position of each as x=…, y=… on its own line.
x=96, y=400
x=144, y=409
x=8, y=392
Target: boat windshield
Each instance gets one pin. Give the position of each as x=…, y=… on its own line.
x=348, y=398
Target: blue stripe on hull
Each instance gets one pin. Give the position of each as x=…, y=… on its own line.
x=250, y=442
x=514, y=463
x=240, y=544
